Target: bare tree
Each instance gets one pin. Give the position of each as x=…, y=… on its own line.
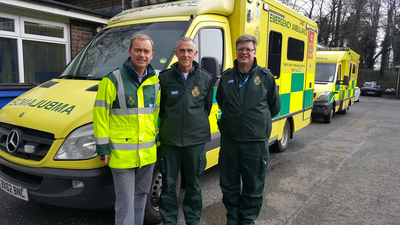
x=386, y=44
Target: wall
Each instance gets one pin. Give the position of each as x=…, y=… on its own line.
x=81, y=34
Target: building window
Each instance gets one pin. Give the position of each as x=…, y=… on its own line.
x=35, y=53
x=7, y=24
x=42, y=61
x=44, y=29
x=8, y=61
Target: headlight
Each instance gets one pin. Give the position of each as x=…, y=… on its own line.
x=324, y=96
x=80, y=144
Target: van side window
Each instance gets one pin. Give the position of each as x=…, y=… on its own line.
x=275, y=52
x=354, y=68
x=351, y=65
x=295, y=50
x=210, y=42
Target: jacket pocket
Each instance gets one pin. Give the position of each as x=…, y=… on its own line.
x=202, y=163
x=265, y=159
x=161, y=162
x=121, y=131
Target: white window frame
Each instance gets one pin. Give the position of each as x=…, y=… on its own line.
x=24, y=35
x=14, y=33
x=20, y=35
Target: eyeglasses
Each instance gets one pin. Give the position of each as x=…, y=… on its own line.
x=245, y=50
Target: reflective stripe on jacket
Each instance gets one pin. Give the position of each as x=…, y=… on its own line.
x=125, y=117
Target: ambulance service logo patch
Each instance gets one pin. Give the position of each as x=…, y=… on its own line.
x=257, y=80
x=130, y=100
x=195, y=91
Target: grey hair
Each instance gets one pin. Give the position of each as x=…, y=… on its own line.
x=246, y=38
x=185, y=39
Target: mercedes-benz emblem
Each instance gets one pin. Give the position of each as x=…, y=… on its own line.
x=12, y=141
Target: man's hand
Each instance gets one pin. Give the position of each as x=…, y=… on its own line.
x=104, y=158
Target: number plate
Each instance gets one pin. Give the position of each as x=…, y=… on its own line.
x=14, y=190
x=370, y=93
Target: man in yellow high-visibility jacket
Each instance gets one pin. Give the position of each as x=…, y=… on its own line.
x=125, y=119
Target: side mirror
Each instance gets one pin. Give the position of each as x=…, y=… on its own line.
x=211, y=65
x=346, y=80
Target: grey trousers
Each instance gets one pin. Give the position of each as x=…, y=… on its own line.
x=131, y=189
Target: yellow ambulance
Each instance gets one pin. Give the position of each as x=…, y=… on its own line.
x=335, y=81
x=47, y=147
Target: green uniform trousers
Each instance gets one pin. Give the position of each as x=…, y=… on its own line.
x=192, y=162
x=247, y=161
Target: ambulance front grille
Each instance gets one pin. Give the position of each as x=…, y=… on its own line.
x=42, y=140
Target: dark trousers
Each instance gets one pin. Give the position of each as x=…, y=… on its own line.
x=247, y=161
x=192, y=162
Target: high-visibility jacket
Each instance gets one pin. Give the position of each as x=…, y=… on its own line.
x=125, y=117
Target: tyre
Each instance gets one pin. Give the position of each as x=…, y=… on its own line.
x=328, y=118
x=152, y=213
x=345, y=111
x=281, y=145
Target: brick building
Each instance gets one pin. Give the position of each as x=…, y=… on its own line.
x=39, y=37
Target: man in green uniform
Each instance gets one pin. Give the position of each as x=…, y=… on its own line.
x=186, y=100
x=248, y=98
x=125, y=120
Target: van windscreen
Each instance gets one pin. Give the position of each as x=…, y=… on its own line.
x=109, y=49
x=325, y=72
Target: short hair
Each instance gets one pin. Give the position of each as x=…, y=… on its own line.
x=246, y=38
x=142, y=37
x=185, y=39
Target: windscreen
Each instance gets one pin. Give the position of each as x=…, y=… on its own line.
x=325, y=72
x=368, y=84
x=108, y=50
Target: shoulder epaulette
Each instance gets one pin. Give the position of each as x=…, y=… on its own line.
x=206, y=72
x=266, y=71
x=162, y=71
x=227, y=70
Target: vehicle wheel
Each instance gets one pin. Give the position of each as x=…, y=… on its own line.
x=281, y=145
x=328, y=118
x=152, y=213
x=344, y=111
x=380, y=95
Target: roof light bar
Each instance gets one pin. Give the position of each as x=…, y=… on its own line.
x=139, y=3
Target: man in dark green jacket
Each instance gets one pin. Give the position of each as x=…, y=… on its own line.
x=248, y=98
x=186, y=101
